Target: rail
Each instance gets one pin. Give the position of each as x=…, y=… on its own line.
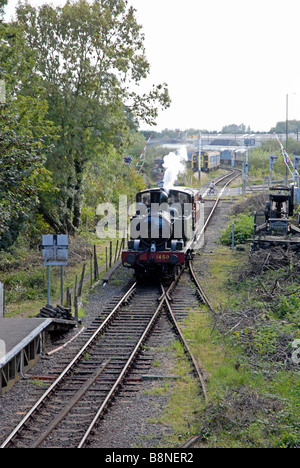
x=69, y=368
x=202, y=295
x=123, y=373
x=184, y=343
x=234, y=174
x=163, y=300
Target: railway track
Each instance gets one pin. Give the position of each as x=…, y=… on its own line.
x=211, y=203
x=70, y=409
x=65, y=415
x=93, y=377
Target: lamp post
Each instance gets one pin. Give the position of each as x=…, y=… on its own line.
x=199, y=157
x=287, y=123
x=287, y=133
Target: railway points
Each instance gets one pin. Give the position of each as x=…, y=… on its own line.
x=105, y=391
x=77, y=118
x=72, y=378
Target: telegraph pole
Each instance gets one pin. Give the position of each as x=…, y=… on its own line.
x=199, y=157
x=287, y=136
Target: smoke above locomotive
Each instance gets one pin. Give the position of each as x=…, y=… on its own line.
x=174, y=164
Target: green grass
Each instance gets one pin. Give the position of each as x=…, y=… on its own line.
x=253, y=396
x=184, y=401
x=223, y=264
x=25, y=277
x=243, y=371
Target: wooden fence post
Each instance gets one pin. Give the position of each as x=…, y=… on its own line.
x=116, y=252
x=69, y=299
x=76, y=308
x=96, y=270
x=120, y=248
x=91, y=270
x=110, y=254
x=81, y=281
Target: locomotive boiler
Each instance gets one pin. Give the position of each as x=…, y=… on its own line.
x=164, y=232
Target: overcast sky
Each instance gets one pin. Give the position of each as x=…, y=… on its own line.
x=225, y=62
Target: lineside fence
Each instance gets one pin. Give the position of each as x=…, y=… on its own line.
x=91, y=272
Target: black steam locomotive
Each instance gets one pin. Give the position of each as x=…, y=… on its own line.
x=164, y=232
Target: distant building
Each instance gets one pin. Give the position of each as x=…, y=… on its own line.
x=226, y=146
x=224, y=142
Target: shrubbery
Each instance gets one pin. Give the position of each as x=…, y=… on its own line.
x=243, y=230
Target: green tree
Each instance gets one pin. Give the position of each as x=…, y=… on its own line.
x=108, y=177
x=91, y=58
x=24, y=134
x=233, y=128
x=293, y=127
x=3, y=4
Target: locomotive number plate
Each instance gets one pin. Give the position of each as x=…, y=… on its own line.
x=163, y=257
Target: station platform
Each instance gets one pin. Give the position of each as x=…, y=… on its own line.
x=21, y=343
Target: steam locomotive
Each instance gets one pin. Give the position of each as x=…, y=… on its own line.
x=164, y=232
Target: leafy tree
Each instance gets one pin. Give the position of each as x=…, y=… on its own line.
x=293, y=127
x=233, y=128
x=91, y=58
x=106, y=178
x=3, y=4
x=23, y=134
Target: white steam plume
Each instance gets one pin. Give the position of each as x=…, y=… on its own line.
x=174, y=163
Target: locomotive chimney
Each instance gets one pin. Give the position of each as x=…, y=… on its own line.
x=159, y=197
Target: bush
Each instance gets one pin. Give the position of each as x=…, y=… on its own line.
x=288, y=308
x=24, y=285
x=243, y=230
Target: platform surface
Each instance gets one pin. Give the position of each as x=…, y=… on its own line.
x=16, y=333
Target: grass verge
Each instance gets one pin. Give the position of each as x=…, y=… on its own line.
x=25, y=277
x=246, y=352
